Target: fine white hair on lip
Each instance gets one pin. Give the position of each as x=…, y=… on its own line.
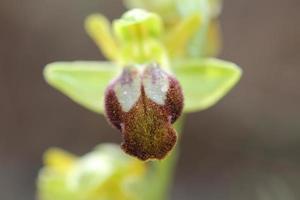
x=156, y=84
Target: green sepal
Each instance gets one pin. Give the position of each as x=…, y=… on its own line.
x=205, y=81
x=82, y=81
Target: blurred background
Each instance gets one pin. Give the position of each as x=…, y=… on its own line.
x=245, y=147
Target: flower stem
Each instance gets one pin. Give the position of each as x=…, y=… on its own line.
x=160, y=177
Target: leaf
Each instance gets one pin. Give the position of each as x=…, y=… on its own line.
x=205, y=81
x=83, y=81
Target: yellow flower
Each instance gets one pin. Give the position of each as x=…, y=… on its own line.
x=106, y=173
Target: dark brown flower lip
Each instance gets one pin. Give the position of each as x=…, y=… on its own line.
x=143, y=106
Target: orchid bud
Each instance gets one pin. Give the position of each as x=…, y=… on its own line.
x=142, y=103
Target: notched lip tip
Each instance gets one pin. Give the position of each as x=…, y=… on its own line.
x=150, y=159
x=146, y=158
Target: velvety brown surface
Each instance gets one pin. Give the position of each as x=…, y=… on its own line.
x=147, y=126
x=246, y=147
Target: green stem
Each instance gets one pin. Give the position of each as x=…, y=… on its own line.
x=161, y=173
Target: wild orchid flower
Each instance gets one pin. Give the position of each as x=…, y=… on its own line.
x=103, y=174
x=158, y=69
x=144, y=87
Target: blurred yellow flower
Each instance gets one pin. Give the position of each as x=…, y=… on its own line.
x=106, y=173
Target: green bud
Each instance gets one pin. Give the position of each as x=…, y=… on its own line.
x=138, y=33
x=137, y=25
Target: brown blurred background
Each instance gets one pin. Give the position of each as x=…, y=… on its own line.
x=245, y=148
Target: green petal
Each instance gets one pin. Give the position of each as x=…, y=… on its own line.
x=213, y=41
x=178, y=38
x=99, y=29
x=205, y=81
x=83, y=81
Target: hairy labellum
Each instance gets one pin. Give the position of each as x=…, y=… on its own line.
x=143, y=104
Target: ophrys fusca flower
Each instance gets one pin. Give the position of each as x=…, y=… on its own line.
x=142, y=103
